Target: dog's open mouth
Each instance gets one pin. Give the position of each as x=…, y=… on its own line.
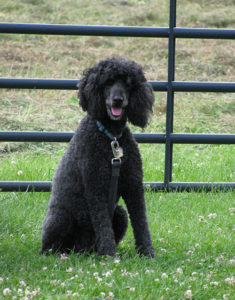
x=116, y=111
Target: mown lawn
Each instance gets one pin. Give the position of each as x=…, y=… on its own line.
x=193, y=235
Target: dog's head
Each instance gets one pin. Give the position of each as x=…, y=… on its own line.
x=117, y=89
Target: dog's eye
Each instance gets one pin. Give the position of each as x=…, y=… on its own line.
x=109, y=82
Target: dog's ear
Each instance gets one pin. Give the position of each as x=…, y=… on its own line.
x=83, y=99
x=140, y=104
x=90, y=93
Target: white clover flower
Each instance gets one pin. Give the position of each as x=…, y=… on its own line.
x=133, y=275
x=44, y=268
x=163, y=250
x=102, y=294
x=161, y=240
x=201, y=219
x=226, y=296
x=54, y=282
x=36, y=292
x=188, y=294
x=232, y=261
x=132, y=289
x=75, y=295
x=156, y=279
x=197, y=246
x=117, y=261
x=179, y=271
x=108, y=273
x=63, y=256
x=190, y=252
x=210, y=275
x=164, y=275
x=20, y=172
x=109, y=284
x=219, y=258
x=212, y=216
x=214, y=283
x=69, y=270
x=230, y=280
x=27, y=292
x=111, y=295
x=20, y=292
x=23, y=283
x=69, y=294
x=7, y=292
x=124, y=273
x=193, y=279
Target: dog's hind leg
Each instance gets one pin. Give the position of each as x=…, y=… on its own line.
x=57, y=232
x=120, y=223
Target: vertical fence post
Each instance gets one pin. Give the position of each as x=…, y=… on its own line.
x=170, y=96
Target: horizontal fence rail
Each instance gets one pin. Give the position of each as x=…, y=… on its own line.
x=66, y=84
x=170, y=86
x=45, y=186
x=180, y=138
x=121, y=31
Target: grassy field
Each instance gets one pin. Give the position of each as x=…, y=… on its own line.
x=193, y=233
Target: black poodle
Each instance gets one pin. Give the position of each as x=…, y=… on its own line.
x=112, y=92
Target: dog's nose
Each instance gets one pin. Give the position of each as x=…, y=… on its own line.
x=118, y=99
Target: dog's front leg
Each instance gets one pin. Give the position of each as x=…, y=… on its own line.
x=104, y=235
x=134, y=199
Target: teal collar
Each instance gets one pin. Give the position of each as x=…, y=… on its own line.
x=106, y=132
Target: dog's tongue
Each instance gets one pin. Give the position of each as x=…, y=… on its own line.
x=116, y=111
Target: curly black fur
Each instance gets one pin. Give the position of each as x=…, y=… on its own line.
x=113, y=92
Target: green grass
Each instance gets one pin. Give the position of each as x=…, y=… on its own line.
x=193, y=233
x=203, y=250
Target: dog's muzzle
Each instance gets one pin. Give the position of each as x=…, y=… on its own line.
x=116, y=108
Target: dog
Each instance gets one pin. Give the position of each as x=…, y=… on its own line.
x=112, y=92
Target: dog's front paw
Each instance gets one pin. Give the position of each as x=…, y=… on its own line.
x=106, y=247
x=146, y=251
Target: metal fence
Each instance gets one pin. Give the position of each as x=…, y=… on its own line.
x=170, y=86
